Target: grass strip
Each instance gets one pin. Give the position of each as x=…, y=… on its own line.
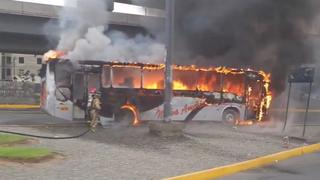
x=11, y=139
x=24, y=153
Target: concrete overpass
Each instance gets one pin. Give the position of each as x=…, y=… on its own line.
x=159, y=4
x=25, y=27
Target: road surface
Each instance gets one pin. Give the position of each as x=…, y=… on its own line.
x=28, y=117
x=132, y=151
x=306, y=167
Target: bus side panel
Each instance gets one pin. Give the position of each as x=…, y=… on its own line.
x=181, y=108
x=209, y=113
x=49, y=92
x=64, y=110
x=43, y=95
x=214, y=112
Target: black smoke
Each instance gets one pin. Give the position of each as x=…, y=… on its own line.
x=262, y=34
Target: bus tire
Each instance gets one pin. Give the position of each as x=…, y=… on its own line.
x=230, y=115
x=124, y=117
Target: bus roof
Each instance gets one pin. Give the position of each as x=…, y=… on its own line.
x=220, y=69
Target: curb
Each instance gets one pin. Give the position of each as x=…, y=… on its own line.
x=18, y=106
x=296, y=110
x=246, y=165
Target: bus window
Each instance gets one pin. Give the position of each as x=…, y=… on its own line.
x=93, y=80
x=106, y=76
x=153, y=78
x=126, y=77
x=63, y=71
x=62, y=76
x=185, y=79
x=234, y=83
x=209, y=81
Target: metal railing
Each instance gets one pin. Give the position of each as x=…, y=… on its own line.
x=17, y=89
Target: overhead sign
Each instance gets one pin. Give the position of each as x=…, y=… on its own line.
x=302, y=75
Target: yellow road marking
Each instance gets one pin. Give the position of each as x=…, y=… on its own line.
x=296, y=110
x=246, y=165
x=18, y=106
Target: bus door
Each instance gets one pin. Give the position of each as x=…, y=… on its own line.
x=79, y=95
x=82, y=83
x=254, y=85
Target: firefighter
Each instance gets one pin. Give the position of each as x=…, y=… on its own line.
x=94, y=109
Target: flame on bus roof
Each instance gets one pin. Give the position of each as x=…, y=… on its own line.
x=202, y=85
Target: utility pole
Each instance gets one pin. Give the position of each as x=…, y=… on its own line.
x=170, y=5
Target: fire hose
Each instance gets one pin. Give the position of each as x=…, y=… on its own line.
x=46, y=137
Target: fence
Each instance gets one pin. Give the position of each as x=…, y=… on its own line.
x=19, y=92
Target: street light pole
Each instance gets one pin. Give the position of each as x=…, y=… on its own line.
x=170, y=5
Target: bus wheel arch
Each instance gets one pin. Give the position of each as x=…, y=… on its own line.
x=128, y=112
x=230, y=115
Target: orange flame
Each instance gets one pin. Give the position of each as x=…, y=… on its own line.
x=178, y=85
x=266, y=101
x=152, y=86
x=52, y=54
x=230, y=80
x=134, y=110
x=249, y=91
x=244, y=122
x=203, y=87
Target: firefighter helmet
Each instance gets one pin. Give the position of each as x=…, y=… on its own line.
x=92, y=90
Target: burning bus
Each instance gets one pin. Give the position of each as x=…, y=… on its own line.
x=135, y=91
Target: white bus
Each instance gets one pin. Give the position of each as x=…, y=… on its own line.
x=135, y=91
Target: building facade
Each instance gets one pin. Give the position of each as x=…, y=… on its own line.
x=20, y=67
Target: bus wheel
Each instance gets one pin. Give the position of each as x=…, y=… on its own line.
x=124, y=117
x=128, y=115
x=230, y=116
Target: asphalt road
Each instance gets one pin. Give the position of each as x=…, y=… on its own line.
x=306, y=167
x=28, y=117
x=121, y=152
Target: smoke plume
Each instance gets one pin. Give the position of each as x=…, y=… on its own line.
x=85, y=36
x=269, y=35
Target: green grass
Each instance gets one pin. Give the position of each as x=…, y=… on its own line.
x=20, y=153
x=8, y=139
x=24, y=153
